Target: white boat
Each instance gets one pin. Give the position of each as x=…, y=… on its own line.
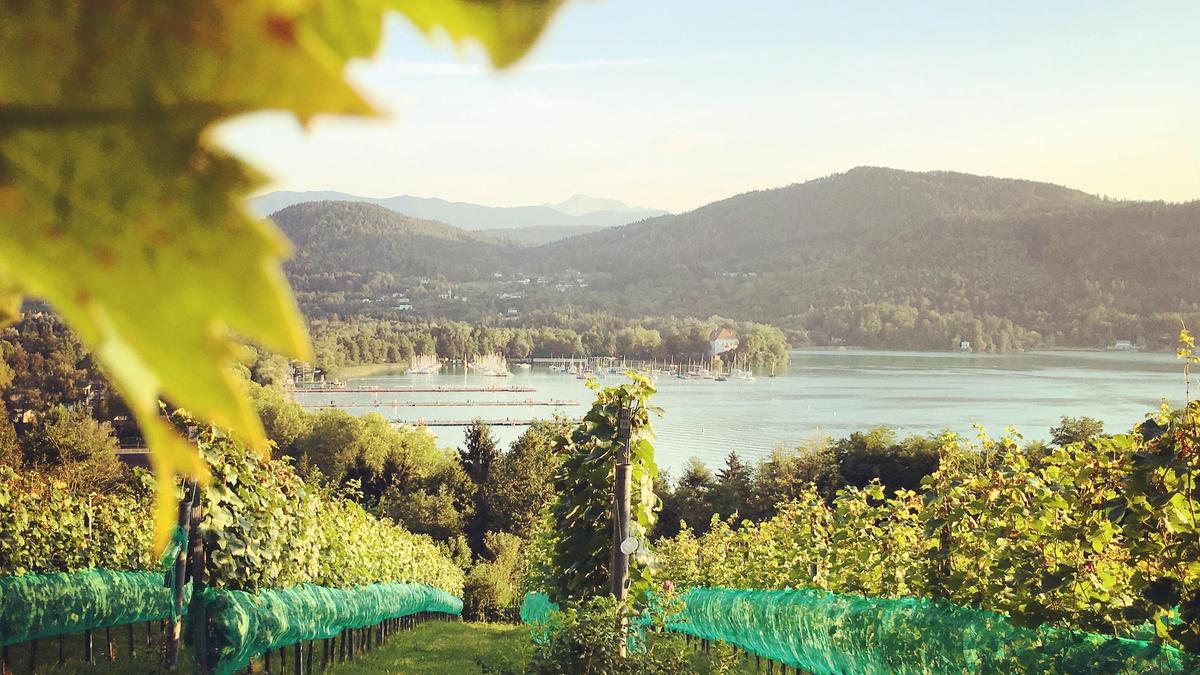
x=425, y=364
x=524, y=366
x=490, y=365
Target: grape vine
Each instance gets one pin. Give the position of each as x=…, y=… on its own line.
x=581, y=516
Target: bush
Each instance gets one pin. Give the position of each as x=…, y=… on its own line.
x=585, y=638
x=493, y=589
x=47, y=527
x=264, y=527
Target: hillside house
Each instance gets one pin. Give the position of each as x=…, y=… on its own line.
x=721, y=340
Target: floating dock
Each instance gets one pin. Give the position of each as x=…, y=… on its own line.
x=443, y=404
x=409, y=390
x=508, y=422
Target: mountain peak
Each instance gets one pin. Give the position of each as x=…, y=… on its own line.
x=581, y=205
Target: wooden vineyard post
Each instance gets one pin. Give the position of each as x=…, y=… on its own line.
x=175, y=626
x=619, y=581
x=199, y=564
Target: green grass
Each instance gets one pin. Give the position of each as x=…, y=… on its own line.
x=434, y=647
x=444, y=647
x=459, y=648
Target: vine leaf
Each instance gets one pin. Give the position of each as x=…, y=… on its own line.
x=116, y=210
x=155, y=275
x=506, y=29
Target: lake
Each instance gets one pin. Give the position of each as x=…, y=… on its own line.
x=822, y=393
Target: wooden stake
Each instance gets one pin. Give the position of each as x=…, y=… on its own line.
x=184, y=521
x=619, y=566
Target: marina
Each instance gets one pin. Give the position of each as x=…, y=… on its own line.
x=412, y=389
x=821, y=393
x=445, y=404
x=506, y=422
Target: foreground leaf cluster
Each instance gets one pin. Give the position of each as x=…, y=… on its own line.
x=117, y=209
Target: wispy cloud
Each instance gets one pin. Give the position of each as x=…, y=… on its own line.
x=388, y=68
x=589, y=64
x=462, y=69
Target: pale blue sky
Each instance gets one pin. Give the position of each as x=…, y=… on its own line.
x=674, y=103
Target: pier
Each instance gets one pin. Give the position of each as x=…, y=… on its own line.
x=411, y=390
x=443, y=404
x=507, y=422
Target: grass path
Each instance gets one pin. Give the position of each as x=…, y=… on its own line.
x=459, y=649
x=443, y=647
x=433, y=647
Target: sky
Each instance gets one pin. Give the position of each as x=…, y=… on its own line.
x=676, y=103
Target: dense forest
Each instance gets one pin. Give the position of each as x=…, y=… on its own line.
x=668, y=339
x=872, y=257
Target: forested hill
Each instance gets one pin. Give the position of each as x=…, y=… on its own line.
x=334, y=238
x=864, y=202
x=871, y=257
x=882, y=257
x=579, y=211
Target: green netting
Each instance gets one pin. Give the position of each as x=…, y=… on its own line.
x=242, y=626
x=826, y=632
x=35, y=606
x=538, y=611
x=830, y=633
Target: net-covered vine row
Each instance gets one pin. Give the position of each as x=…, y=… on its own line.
x=1100, y=536
x=286, y=560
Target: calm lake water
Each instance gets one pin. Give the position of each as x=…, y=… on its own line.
x=823, y=393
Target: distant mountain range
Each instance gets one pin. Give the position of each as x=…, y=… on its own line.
x=872, y=256
x=587, y=213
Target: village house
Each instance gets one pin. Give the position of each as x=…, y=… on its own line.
x=721, y=340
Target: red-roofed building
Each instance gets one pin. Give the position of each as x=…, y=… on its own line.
x=721, y=340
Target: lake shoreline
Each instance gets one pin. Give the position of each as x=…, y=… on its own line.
x=820, y=393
